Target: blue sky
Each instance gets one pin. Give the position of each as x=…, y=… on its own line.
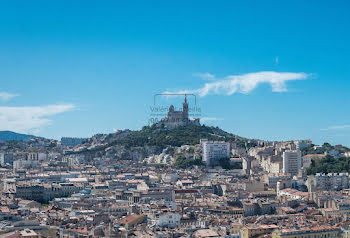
x=275, y=70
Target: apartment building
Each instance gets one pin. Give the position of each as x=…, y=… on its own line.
x=213, y=151
x=291, y=162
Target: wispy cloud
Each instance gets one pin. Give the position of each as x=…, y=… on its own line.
x=209, y=119
x=30, y=119
x=338, y=127
x=277, y=60
x=246, y=83
x=5, y=96
x=205, y=76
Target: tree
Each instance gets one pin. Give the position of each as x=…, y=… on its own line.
x=181, y=162
x=225, y=163
x=329, y=164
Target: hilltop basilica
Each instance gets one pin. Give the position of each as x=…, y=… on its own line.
x=178, y=118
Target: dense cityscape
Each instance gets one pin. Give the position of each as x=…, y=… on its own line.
x=174, y=119
x=128, y=184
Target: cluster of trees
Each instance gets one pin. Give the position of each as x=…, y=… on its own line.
x=181, y=162
x=324, y=148
x=329, y=164
x=225, y=163
x=182, y=135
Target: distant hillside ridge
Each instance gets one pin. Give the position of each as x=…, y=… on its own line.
x=10, y=135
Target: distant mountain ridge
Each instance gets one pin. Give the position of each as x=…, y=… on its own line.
x=10, y=135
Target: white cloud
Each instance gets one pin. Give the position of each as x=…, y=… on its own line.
x=209, y=119
x=245, y=83
x=29, y=119
x=178, y=93
x=205, y=76
x=5, y=96
x=339, y=127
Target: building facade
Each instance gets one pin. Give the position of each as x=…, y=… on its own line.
x=314, y=232
x=6, y=158
x=178, y=118
x=292, y=162
x=46, y=192
x=213, y=151
x=330, y=181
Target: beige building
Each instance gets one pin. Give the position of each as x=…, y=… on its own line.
x=26, y=233
x=253, y=186
x=250, y=231
x=205, y=233
x=291, y=162
x=314, y=232
x=346, y=233
x=132, y=221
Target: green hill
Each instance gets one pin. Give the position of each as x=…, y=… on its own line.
x=182, y=135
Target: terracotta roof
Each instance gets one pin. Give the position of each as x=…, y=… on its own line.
x=131, y=219
x=5, y=210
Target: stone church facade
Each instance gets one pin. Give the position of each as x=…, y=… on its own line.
x=178, y=118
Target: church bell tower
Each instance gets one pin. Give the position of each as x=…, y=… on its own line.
x=185, y=109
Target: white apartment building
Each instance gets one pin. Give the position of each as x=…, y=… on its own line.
x=302, y=144
x=213, y=151
x=332, y=181
x=36, y=156
x=25, y=164
x=291, y=162
x=6, y=158
x=166, y=219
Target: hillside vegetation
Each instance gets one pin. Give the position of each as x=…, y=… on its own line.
x=182, y=135
x=329, y=164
